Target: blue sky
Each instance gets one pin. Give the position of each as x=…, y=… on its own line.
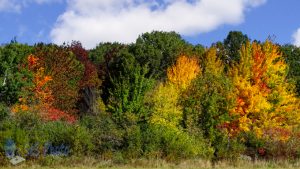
x=276, y=18
x=198, y=21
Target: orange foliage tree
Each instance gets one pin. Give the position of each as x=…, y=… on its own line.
x=265, y=101
x=38, y=97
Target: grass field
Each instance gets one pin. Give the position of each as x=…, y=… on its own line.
x=155, y=164
x=84, y=167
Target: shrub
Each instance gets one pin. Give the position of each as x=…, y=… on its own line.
x=228, y=148
x=252, y=144
x=10, y=130
x=282, y=149
x=163, y=105
x=106, y=136
x=61, y=133
x=4, y=111
x=161, y=141
x=133, y=142
x=32, y=137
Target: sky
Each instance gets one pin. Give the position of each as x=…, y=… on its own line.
x=197, y=21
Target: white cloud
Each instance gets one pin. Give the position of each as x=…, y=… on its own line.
x=9, y=5
x=94, y=21
x=255, y=3
x=17, y=5
x=296, y=37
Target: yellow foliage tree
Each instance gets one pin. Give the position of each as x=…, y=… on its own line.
x=166, y=110
x=212, y=64
x=184, y=71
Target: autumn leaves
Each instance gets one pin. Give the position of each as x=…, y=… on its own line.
x=264, y=103
x=199, y=95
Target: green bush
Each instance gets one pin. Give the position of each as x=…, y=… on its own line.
x=4, y=111
x=252, y=144
x=30, y=134
x=271, y=148
x=228, y=148
x=61, y=133
x=6, y=132
x=133, y=142
x=106, y=136
x=82, y=140
x=27, y=120
x=10, y=130
x=152, y=142
x=174, y=144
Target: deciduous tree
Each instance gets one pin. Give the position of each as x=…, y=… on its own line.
x=183, y=71
x=66, y=71
x=12, y=76
x=265, y=100
x=38, y=98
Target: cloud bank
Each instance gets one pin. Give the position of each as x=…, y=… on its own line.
x=296, y=38
x=94, y=21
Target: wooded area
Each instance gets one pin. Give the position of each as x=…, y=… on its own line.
x=160, y=97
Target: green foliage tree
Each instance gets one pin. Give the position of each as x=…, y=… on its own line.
x=206, y=102
x=104, y=52
x=160, y=50
x=12, y=76
x=128, y=89
x=291, y=55
x=105, y=56
x=229, y=50
x=126, y=102
x=232, y=43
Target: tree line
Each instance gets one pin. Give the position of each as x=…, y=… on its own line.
x=160, y=97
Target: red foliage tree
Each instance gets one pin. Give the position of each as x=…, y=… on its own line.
x=66, y=71
x=90, y=77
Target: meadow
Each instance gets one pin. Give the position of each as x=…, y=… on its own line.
x=159, y=164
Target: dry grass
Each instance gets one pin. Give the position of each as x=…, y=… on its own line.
x=90, y=163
